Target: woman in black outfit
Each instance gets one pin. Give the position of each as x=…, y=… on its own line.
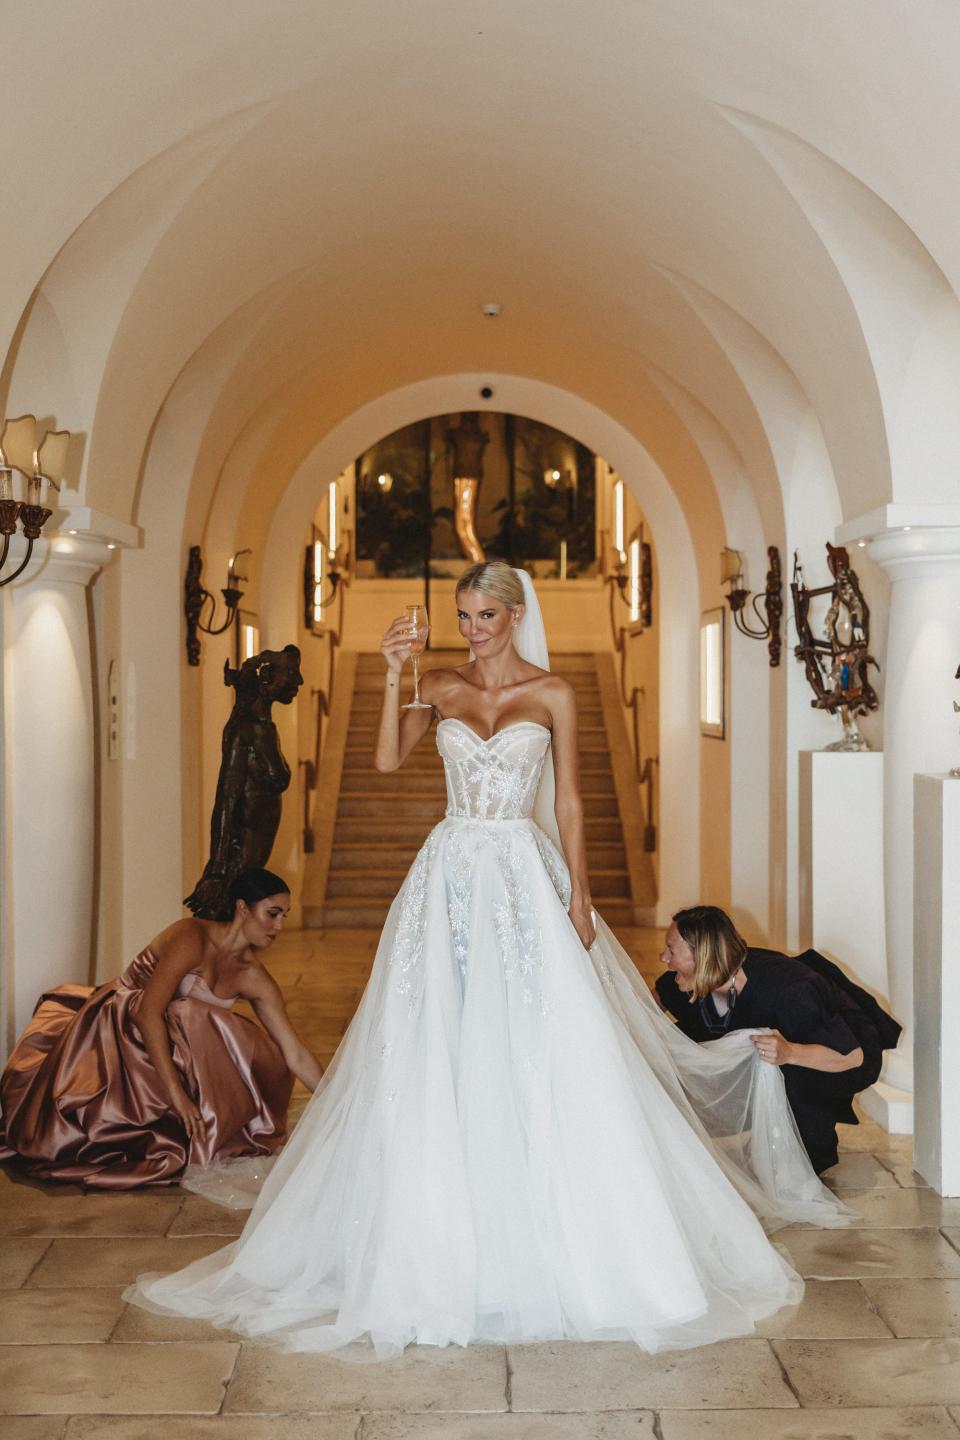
x=826, y=1033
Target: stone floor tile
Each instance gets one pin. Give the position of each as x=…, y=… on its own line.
x=868, y=1135
x=632, y=1425
x=198, y=1216
x=56, y=1317
x=830, y=1309
x=114, y=1379
x=900, y=1209
x=612, y=1376
x=17, y=1259
x=915, y=1309
x=216, y=1427
x=858, y=1254
x=859, y=1170
x=34, y=1427
x=33, y=1209
x=872, y=1372
x=927, y=1423
x=143, y=1326
x=70, y=1263
x=423, y=1378
x=907, y=1177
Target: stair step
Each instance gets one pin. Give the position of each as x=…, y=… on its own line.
x=360, y=830
x=348, y=884
x=389, y=806
x=373, y=661
x=369, y=912
x=399, y=854
x=427, y=758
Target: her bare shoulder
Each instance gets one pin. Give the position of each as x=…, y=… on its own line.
x=436, y=685
x=559, y=694
x=182, y=943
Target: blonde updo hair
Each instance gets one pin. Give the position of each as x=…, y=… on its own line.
x=495, y=578
x=718, y=948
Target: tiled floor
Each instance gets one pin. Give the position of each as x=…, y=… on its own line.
x=873, y=1353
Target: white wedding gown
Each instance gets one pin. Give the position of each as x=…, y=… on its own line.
x=512, y=1143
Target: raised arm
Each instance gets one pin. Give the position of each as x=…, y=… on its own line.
x=569, y=806
x=265, y=995
x=399, y=730
x=181, y=950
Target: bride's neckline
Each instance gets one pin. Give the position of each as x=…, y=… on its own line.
x=485, y=739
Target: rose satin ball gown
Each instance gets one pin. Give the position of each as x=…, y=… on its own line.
x=81, y=1099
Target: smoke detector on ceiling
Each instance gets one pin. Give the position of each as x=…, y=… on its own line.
x=492, y=309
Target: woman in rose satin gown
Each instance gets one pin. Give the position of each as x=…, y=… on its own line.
x=127, y=1084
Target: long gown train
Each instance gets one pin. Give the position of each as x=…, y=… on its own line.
x=512, y=1142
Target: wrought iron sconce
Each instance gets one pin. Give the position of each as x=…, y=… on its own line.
x=326, y=574
x=771, y=621
x=631, y=577
x=40, y=460
x=195, y=598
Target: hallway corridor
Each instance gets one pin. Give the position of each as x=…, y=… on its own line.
x=871, y=1354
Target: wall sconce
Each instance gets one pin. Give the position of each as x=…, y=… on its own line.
x=731, y=573
x=195, y=597
x=385, y=482
x=632, y=577
x=39, y=458
x=326, y=571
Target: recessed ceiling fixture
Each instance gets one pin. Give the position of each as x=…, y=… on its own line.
x=492, y=309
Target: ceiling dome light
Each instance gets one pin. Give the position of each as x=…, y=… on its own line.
x=492, y=309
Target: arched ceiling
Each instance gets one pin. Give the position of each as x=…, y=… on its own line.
x=281, y=210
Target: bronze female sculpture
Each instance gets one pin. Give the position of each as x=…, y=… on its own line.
x=253, y=777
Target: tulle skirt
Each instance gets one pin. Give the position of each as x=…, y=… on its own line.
x=512, y=1144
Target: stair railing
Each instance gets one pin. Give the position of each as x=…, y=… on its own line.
x=323, y=695
x=644, y=768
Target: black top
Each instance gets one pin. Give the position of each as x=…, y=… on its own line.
x=808, y=1000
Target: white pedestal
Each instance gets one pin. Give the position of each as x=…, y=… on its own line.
x=841, y=911
x=937, y=980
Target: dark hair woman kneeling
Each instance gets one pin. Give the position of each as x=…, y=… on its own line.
x=826, y=1032
x=125, y=1085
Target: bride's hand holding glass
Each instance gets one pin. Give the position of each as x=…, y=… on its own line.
x=395, y=647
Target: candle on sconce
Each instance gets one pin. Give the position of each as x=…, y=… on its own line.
x=563, y=559
x=33, y=490
x=6, y=483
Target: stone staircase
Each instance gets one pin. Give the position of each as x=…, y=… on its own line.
x=382, y=820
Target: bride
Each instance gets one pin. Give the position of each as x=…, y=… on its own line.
x=512, y=1142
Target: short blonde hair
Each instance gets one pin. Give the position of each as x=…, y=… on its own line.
x=495, y=578
x=718, y=948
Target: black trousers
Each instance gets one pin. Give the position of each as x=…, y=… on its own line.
x=820, y=1100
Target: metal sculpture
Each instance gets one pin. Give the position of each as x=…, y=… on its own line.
x=253, y=777
x=467, y=442
x=837, y=665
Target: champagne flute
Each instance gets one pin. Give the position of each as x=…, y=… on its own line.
x=419, y=630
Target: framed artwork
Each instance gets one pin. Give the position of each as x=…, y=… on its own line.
x=712, y=687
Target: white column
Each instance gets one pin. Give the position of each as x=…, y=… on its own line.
x=51, y=750
x=936, y=1150
x=920, y=730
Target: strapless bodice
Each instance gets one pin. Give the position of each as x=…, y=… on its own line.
x=191, y=987
x=493, y=779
